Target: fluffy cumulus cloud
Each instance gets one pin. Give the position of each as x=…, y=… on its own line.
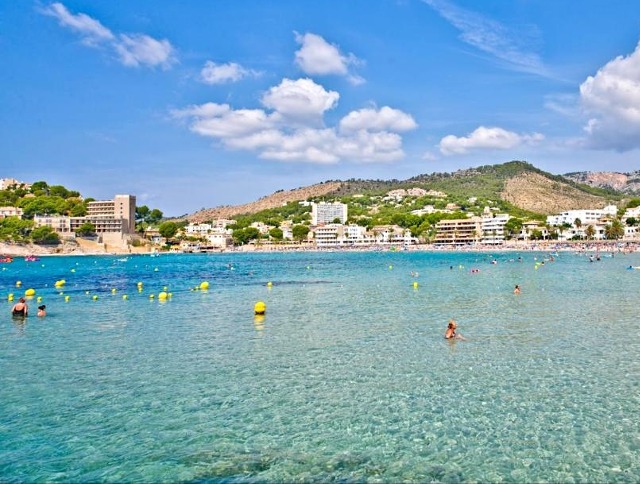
x=612, y=100
x=213, y=73
x=484, y=138
x=382, y=119
x=292, y=128
x=130, y=49
x=301, y=101
x=317, y=57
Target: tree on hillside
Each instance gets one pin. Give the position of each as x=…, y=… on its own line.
x=512, y=228
x=39, y=186
x=632, y=221
x=44, y=235
x=276, y=234
x=300, y=232
x=87, y=229
x=246, y=235
x=168, y=229
x=15, y=229
x=633, y=203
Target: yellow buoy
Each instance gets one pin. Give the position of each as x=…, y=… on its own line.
x=415, y=285
x=260, y=308
x=95, y=297
x=125, y=297
x=151, y=296
x=204, y=285
x=10, y=297
x=269, y=284
x=39, y=299
x=162, y=296
x=170, y=295
x=30, y=292
x=113, y=291
x=66, y=298
x=164, y=288
x=18, y=283
x=390, y=267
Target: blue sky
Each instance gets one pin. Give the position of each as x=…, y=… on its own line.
x=205, y=103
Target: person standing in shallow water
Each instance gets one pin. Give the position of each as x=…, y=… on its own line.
x=20, y=308
x=517, y=289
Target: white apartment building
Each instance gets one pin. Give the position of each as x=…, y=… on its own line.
x=493, y=227
x=6, y=183
x=198, y=229
x=326, y=213
x=11, y=212
x=587, y=217
x=631, y=212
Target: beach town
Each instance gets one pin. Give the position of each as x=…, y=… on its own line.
x=114, y=229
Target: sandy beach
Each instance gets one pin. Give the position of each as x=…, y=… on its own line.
x=73, y=248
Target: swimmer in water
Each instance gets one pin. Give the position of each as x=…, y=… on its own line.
x=42, y=311
x=20, y=308
x=450, y=333
x=516, y=290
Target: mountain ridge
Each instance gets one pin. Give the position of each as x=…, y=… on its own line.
x=516, y=182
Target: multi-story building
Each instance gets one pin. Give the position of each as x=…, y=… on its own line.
x=586, y=217
x=326, y=213
x=10, y=212
x=115, y=216
x=6, y=183
x=459, y=231
x=493, y=228
x=103, y=212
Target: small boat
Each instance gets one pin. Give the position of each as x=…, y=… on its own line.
x=6, y=259
x=31, y=258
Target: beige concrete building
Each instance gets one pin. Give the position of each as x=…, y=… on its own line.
x=10, y=212
x=459, y=231
x=115, y=216
x=103, y=213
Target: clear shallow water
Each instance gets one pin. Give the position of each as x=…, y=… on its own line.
x=346, y=378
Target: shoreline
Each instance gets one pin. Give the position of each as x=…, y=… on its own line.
x=22, y=250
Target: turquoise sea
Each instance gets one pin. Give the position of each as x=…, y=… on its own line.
x=347, y=378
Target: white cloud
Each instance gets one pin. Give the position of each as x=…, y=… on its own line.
x=293, y=128
x=381, y=120
x=131, y=49
x=300, y=101
x=612, y=99
x=137, y=49
x=484, y=138
x=318, y=57
x=491, y=37
x=91, y=30
x=213, y=73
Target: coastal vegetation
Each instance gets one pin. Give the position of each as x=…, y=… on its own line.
x=515, y=188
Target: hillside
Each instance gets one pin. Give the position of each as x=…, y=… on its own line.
x=621, y=182
x=275, y=200
x=517, y=183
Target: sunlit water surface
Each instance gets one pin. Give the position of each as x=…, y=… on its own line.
x=346, y=378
